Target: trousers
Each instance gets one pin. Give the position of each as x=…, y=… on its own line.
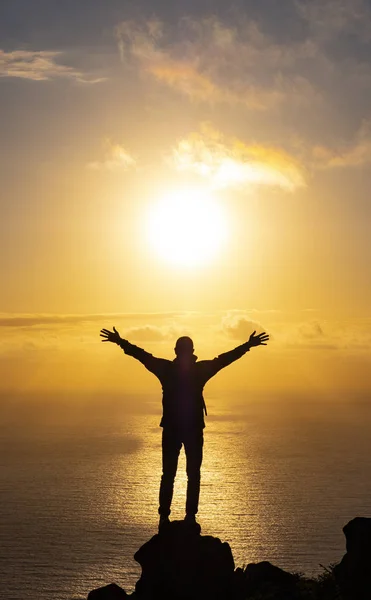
x=172, y=442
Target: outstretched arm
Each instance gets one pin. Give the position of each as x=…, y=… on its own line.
x=225, y=359
x=151, y=363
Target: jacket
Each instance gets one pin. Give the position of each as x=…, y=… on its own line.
x=182, y=389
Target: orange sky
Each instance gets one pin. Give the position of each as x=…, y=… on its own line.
x=269, y=120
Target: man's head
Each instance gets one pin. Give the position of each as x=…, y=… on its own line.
x=184, y=347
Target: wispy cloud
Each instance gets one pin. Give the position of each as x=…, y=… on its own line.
x=329, y=18
x=208, y=61
x=115, y=157
x=232, y=163
x=57, y=335
x=288, y=332
x=16, y=320
x=347, y=336
x=39, y=65
x=151, y=333
x=355, y=154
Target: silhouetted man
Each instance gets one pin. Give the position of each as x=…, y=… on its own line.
x=182, y=380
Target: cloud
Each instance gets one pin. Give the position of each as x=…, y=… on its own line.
x=30, y=334
x=329, y=18
x=305, y=335
x=149, y=333
x=356, y=154
x=348, y=336
x=39, y=65
x=116, y=157
x=208, y=61
x=312, y=69
x=226, y=162
x=222, y=162
x=229, y=163
x=311, y=330
x=240, y=326
x=34, y=320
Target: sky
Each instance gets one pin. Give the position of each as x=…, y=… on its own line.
x=254, y=118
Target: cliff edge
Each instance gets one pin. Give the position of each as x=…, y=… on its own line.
x=179, y=563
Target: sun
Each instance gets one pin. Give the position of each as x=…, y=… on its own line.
x=187, y=228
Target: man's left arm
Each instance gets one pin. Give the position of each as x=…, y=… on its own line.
x=227, y=358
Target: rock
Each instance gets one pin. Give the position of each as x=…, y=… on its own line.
x=181, y=564
x=269, y=580
x=265, y=571
x=108, y=592
x=353, y=573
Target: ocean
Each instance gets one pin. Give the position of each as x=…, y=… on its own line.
x=79, y=479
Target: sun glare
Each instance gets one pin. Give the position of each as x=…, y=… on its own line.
x=187, y=228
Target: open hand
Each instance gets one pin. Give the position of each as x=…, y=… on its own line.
x=258, y=340
x=110, y=336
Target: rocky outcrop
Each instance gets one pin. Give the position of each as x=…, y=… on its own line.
x=108, y=592
x=353, y=573
x=264, y=580
x=180, y=564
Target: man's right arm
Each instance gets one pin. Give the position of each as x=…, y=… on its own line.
x=151, y=363
x=147, y=359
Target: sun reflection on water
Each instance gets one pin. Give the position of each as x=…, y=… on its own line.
x=227, y=502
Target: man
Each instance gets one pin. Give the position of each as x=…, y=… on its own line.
x=182, y=380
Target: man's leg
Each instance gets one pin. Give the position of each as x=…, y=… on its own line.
x=171, y=445
x=193, y=444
